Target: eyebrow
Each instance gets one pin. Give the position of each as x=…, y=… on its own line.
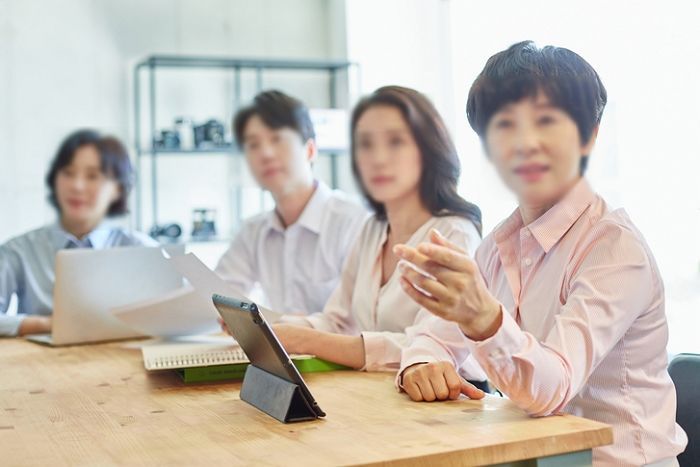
x=390, y=131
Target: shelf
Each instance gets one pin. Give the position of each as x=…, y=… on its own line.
x=223, y=151
x=162, y=61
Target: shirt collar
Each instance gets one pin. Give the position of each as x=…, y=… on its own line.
x=549, y=228
x=96, y=239
x=311, y=216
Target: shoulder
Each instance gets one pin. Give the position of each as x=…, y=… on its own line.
x=612, y=237
x=343, y=208
x=127, y=237
x=459, y=230
x=31, y=239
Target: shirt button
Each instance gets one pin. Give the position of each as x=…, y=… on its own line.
x=527, y=261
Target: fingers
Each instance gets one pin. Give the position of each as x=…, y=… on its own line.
x=412, y=255
x=471, y=391
x=454, y=383
x=429, y=303
x=413, y=391
x=423, y=283
x=436, y=258
x=446, y=257
x=439, y=239
x=432, y=381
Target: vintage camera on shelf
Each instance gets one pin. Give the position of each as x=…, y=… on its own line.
x=203, y=224
x=166, y=233
x=209, y=135
x=168, y=139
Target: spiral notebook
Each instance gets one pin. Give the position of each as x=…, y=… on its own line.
x=208, y=362
x=175, y=356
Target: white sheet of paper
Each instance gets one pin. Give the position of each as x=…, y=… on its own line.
x=207, y=282
x=181, y=312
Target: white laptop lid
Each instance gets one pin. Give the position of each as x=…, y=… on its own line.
x=91, y=282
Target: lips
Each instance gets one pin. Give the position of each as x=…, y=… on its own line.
x=271, y=172
x=76, y=204
x=381, y=180
x=531, y=172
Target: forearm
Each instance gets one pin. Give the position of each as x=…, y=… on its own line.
x=337, y=348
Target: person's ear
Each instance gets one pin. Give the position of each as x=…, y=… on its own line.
x=587, y=148
x=311, y=150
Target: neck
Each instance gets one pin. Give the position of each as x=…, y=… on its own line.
x=291, y=204
x=405, y=216
x=78, y=228
x=531, y=211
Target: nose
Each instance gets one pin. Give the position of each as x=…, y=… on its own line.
x=267, y=151
x=78, y=183
x=527, y=140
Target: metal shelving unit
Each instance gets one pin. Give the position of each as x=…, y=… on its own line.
x=333, y=69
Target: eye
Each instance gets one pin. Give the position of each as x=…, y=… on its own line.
x=546, y=120
x=503, y=123
x=364, y=144
x=396, y=141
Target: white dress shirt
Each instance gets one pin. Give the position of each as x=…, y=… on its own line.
x=297, y=267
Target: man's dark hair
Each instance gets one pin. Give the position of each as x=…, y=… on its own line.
x=523, y=70
x=277, y=110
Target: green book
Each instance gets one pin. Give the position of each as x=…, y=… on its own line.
x=236, y=371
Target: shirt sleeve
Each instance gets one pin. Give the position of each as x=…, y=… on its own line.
x=606, y=294
x=238, y=265
x=10, y=273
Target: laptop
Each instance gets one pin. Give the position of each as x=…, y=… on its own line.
x=89, y=283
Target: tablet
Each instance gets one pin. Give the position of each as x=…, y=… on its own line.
x=260, y=344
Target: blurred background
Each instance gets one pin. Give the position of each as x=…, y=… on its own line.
x=166, y=76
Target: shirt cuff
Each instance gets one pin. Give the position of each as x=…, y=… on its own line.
x=498, y=350
x=9, y=325
x=375, y=349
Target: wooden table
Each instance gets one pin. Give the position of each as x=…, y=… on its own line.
x=96, y=405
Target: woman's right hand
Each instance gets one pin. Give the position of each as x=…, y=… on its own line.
x=35, y=325
x=436, y=381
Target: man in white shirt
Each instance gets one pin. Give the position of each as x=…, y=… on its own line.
x=296, y=251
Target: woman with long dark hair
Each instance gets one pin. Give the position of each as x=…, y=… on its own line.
x=407, y=168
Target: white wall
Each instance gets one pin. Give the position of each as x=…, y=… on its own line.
x=68, y=64
x=402, y=42
x=647, y=158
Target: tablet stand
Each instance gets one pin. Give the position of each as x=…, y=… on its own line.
x=275, y=396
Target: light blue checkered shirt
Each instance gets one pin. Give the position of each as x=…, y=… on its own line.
x=27, y=267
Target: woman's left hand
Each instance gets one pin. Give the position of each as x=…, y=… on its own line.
x=456, y=292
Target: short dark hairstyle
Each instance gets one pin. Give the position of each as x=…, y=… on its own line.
x=522, y=70
x=441, y=166
x=114, y=162
x=277, y=110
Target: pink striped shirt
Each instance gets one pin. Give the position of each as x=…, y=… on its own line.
x=584, y=328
